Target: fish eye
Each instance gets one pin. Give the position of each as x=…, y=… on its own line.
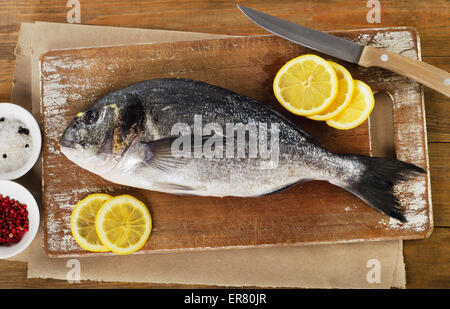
x=90, y=117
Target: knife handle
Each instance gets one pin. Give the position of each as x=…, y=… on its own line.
x=422, y=72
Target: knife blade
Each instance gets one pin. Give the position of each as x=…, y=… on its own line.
x=314, y=39
x=365, y=56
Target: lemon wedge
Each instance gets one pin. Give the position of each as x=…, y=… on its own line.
x=82, y=222
x=357, y=111
x=344, y=96
x=123, y=224
x=306, y=85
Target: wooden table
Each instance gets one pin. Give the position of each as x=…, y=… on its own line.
x=427, y=261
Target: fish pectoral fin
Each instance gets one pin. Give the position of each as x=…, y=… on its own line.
x=159, y=155
x=178, y=188
x=174, y=151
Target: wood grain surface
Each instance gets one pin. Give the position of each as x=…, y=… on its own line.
x=427, y=262
x=71, y=80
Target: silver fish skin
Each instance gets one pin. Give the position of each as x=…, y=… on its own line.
x=127, y=136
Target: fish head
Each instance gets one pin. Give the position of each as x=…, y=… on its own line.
x=98, y=136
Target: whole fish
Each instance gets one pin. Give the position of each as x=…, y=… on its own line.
x=182, y=136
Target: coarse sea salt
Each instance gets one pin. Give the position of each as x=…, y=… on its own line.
x=15, y=144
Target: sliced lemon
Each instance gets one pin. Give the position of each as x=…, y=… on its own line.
x=82, y=222
x=357, y=111
x=306, y=85
x=123, y=224
x=344, y=96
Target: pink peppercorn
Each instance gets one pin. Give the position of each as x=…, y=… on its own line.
x=13, y=221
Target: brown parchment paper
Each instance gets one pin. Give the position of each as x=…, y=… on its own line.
x=323, y=266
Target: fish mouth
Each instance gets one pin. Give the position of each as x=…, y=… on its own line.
x=66, y=143
x=68, y=139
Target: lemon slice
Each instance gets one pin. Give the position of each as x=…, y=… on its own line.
x=344, y=96
x=82, y=222
x=357, y=111
x=306, y=85
x=123, y=224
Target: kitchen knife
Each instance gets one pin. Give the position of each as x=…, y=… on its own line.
x=365, y=56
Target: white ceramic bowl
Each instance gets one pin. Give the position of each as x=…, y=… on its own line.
x=19, y=193
x=8, y=109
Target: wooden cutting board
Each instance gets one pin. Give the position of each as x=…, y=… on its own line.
x=308, y=213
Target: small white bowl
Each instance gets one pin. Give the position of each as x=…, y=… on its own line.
x=13, y=110
x=19, y=193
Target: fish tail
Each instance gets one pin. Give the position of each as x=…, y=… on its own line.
x=375, y=184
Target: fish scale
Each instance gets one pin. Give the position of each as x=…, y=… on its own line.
x=136, y=147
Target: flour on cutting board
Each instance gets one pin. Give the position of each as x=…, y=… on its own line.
x=399, y=42
x=410, y=194
x=57, y=226
x=57, y=94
